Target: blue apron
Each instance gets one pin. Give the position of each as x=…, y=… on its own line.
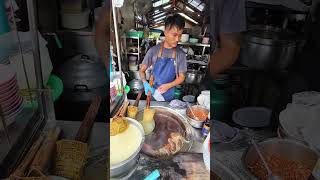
x=165, y=71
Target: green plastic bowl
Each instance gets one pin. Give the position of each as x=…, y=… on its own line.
x=135, y=34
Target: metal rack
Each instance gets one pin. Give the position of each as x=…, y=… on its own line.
x=196, y=44
x=138, y=47
x=29, y=130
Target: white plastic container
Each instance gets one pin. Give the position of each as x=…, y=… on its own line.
x=184, y=38
x=72, y=20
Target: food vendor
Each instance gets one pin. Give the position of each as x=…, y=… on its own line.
x=167, y=59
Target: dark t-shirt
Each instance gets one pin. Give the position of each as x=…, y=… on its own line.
x=227, y=16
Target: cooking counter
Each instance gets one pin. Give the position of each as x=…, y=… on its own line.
x=184, y=165
x=188, y=165
x=226, y=158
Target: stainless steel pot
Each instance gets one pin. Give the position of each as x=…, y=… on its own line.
x=191, y=76
x=285, y=148
x=267, y=47
x=136, y=85
x=194, y=77
x=126, y=166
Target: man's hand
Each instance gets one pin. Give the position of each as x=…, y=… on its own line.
x=147, y=88
x=164, y=88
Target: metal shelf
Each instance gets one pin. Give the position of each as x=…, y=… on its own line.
x=133, y=38
x=133, y=53
x=197, y=62
x=194, y=44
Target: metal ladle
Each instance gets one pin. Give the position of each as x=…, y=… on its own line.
x=270, y=175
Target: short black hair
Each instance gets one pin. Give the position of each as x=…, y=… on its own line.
x=174, y=20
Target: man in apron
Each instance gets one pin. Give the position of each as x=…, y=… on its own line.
x=169, y=61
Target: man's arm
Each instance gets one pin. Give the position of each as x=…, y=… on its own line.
x=177, y=81
x=142, y=72
x=227, y=54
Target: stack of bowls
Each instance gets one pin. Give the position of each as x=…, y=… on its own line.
x=11, y=102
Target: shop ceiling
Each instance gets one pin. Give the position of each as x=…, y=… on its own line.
x=192, y=10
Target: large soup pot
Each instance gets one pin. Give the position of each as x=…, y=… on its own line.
x=126, y=166
x=84, y=77
x=267, y=47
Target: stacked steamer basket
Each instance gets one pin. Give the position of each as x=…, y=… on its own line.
x=10, y=99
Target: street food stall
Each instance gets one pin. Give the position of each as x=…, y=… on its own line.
x=164, y=139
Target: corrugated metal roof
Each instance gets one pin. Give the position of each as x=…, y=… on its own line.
x=191, y=10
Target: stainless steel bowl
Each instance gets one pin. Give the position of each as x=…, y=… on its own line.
x=193, y=122
x=125, y=166
x=191, y=77
x=289, y=149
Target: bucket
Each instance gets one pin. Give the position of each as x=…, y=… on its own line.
x=220, y=100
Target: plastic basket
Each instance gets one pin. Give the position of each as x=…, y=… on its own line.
x=54, y=83
x=71, y=158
